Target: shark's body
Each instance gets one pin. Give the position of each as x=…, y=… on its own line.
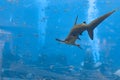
x=78, y=29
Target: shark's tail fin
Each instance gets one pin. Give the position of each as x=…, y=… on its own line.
x=91, y=33
x=91, y=26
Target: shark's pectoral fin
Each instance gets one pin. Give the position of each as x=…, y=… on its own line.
x=91, y=34
x=78, y=46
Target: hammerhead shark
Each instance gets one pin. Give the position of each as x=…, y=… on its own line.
x=78, y=29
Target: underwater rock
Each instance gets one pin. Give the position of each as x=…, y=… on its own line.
x=38, y=73
x=98, y=64
x=117, y=73
x=91, y=75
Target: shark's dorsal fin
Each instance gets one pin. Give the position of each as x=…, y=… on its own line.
x=76, y=20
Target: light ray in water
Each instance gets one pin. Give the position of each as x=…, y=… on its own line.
x=43, y=23
x=92, y=13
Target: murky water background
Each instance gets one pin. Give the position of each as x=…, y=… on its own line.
x=29, y=51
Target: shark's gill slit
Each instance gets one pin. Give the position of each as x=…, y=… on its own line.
x=43, y=21
x=92, y=13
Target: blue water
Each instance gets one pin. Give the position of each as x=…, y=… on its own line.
x=28, y=29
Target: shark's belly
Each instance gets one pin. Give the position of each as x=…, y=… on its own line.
x=76, y=32
x=70, y=39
